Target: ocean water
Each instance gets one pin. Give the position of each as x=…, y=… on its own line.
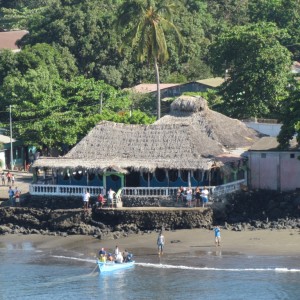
x=29, y=273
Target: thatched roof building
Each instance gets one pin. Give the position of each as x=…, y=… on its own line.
x=189, y=138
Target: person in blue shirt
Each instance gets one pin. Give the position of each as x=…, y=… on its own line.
x=11, y=196
x=217, y=235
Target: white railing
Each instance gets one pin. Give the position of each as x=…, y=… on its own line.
x=73, y=190
x=155, y=191
x=228, y=187
x=63, y=190
x=148, y=191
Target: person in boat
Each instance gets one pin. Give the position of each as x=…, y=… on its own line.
x=102, y=252
x=160, y=243
x=110, y=257
x=119, y=258
x=117, y=251
x=127, y=256
x=102, y=258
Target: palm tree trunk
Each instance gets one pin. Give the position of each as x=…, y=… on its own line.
x=158, y=87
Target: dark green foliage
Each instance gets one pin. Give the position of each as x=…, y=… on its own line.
x=258, y=69
x=290, y=117
x=82, y=41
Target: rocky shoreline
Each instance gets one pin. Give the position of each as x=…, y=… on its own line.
x=253, y=210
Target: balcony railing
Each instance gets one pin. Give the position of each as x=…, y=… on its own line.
x=63, y=190
x=73, y=190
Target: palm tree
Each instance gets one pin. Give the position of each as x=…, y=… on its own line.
x=144, y=24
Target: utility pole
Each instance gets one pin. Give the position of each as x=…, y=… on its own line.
x=11, y=143
x=101, y=103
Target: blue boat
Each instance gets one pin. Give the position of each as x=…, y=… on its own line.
x=112, y=266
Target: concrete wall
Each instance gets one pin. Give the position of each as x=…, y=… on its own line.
x=2, y=158
x=265, y=128
x=274, y=170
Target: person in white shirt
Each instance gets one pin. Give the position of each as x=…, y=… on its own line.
x=110, y=197
x=204, y=196
x=86, y=199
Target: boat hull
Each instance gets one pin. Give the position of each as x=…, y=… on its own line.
x=112, y=266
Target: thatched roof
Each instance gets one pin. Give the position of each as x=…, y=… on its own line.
x=193, y=111
x=189, y=138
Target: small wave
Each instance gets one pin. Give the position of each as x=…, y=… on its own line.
x=74, y=258
x=165, y=266
x=283, y=270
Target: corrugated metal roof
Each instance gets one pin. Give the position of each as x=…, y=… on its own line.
x=5, y=139
x=8, y=39
x=269, y=143
x=151, y=87
x=213, y=82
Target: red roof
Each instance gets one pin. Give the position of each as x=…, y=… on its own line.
x=8, y=39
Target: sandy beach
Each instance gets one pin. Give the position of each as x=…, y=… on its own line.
x=193, y=241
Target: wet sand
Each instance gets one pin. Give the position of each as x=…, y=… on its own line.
x=259, y=242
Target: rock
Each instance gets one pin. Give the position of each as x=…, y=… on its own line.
x=5, y=229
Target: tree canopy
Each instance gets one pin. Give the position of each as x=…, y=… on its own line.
x=74, y=42
x=290, y=117
x=258, y=69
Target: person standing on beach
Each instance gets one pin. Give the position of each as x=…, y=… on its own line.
x=160, y=244
x=217, y=236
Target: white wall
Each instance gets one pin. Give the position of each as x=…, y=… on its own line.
x=277, y=170
x=265, y=128
x=2, y=157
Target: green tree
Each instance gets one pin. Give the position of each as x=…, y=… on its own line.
x=290, y=118
x=8, y=64
x=258, y=69
x=145, y=24
x=15, y=14
x=285, y=14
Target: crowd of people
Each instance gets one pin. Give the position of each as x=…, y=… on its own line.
x=100, y=201
x=117, y=256
x=8, y=179
x=197, y=198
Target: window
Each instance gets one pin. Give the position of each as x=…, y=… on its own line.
x=292, y=155
x=197, y=175
x=160, y=174
x=77, y=175
x=145, y=176
x=173, y=175
x=184, y=175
